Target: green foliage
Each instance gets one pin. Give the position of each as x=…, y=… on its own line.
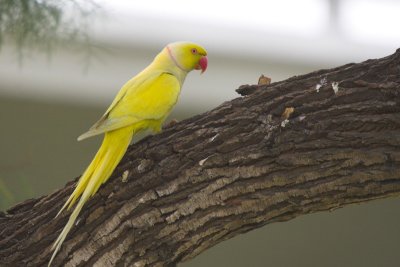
x=44, y=24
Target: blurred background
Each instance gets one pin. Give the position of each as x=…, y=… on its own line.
x=62, y=62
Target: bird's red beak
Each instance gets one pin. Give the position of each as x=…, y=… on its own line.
x=202, y=65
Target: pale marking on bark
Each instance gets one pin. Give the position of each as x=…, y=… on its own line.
x=201, y=132
x=171, y=187
x=201, y=162
x=321, y=83
x=125, y=176
x=140, y=263
x=94, y=243
x=144, y=165
x=114, y=234
x=169, y=208
x=335, y=87
x=238, y=172
x=187, y=225
x=111, y=224
x=199, y=200
x=213, y=138
x=284, y=123
x=80, y=255
x=111, y=257
x=240, y=158
x=148, y=219
x=95, y=214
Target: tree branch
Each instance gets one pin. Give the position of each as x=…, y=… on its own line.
x=228, y=171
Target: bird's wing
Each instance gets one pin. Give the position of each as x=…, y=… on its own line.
x=148, y=98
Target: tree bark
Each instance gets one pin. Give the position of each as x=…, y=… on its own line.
x=242, y=165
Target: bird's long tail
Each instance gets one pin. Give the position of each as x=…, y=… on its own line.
x=100, y=169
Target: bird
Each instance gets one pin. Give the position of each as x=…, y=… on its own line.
x=143, y=103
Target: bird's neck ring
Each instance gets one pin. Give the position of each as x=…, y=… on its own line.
x=174, y=60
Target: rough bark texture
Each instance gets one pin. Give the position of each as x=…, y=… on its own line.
x=228, y=171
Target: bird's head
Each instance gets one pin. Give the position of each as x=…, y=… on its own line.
x=188, y=56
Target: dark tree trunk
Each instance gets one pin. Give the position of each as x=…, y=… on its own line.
x=228, y=171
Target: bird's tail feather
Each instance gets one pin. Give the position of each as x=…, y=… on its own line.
x=100, y=169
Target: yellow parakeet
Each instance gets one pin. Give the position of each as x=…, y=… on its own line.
x=143, y=103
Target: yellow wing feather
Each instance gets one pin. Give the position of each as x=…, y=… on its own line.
x=152, y=99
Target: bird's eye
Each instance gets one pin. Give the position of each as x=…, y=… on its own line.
x=194, y=51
